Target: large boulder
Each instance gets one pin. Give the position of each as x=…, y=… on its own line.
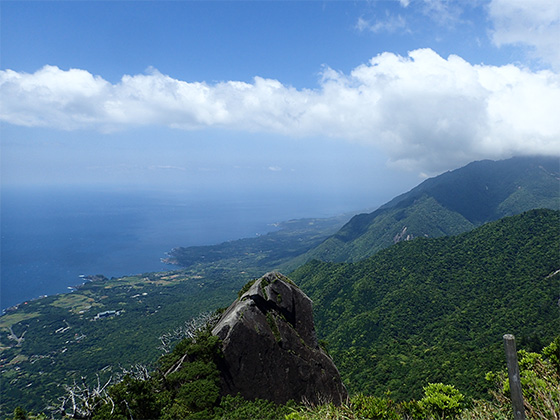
x=270, y=346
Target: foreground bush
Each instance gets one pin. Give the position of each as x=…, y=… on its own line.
x=185, y=386
x=540, y=382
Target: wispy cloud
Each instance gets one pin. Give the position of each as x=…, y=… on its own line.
x=425, y=111
x=390, y=24
x=167, y=168
x=534, y=24
x=443, y=12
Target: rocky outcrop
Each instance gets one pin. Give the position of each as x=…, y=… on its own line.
x=270, y=347
x=403, y=236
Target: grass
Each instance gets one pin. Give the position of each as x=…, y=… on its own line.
x=165, y=278
x=6, y=321
x=75, y=302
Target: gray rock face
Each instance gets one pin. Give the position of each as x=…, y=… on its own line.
x=270, y=346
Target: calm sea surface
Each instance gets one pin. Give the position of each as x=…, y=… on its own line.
x=51, y=237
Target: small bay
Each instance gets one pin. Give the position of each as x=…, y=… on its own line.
x=51, y=236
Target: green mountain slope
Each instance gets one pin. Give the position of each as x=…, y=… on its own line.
x=434, y=310
x=50, y=342
x=60, y=340
x=448, y=204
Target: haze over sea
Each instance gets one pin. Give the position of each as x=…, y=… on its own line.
x=202, y=97
x=52, y=236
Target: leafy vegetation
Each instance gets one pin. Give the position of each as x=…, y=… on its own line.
x=425, y=311
x=434, y=310
x=422, y=312
x=61, y=340
x=541, y=387
x=540, y=382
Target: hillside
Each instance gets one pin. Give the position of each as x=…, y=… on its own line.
x=451, y=203
x=263, y=253
x=50, y=342
x=428, y=310
x=47, y=343
x=434, y=310
x=62, y=338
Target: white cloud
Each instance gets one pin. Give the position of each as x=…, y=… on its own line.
x=425, y=111
x=51, y=96
x=534, y=24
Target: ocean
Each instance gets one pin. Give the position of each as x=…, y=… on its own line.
x=51, y=237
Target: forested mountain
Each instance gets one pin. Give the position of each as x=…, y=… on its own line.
x=423, y=310
x=435, y=310
x=451, y=203
x=48, y=343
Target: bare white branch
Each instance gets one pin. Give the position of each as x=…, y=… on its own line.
x=81, y=400
x=189, y=330
x=138, y=372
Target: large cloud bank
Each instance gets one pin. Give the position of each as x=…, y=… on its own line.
x=423, y=110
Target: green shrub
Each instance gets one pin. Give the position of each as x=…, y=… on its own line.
x=20, y=414
x=246, y=287
x=540, y=382
x=131, y=397
x=238, y=408
x=374, y=408
x=411, y=410
x=442, y=401
x=327, y=411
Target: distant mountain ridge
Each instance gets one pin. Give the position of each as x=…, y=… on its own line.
x=451, y=203
x=62, y=343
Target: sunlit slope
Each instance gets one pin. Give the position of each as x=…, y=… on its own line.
x=451, y=203
x=435, y=310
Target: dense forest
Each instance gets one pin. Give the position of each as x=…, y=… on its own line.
x=428, y=311
x=423, y=316
x=435, y=309
x=63, y=341
x=185, y=385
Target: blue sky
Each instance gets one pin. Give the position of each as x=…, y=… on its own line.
x=364, y=97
